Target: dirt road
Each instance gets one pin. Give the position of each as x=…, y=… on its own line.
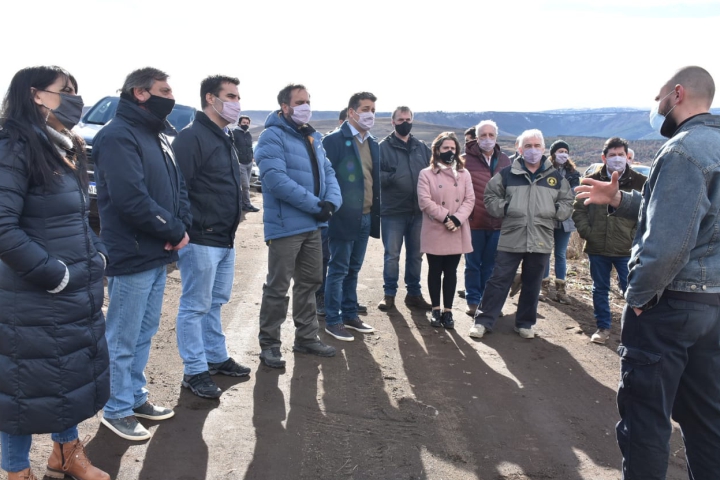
x=408, y=402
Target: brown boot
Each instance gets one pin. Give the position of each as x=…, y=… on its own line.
x=70, y=459
x=562, y=296
x=26, y=474
x=417, y=301
x=387, y=303
x=545, y=291
x=517, y=283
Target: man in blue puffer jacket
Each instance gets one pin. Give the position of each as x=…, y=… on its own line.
x=300, y=194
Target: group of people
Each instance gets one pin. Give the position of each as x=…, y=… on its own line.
x=323, y=197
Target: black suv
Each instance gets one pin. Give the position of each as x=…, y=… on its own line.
x=100, y=115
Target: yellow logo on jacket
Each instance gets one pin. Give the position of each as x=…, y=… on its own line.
x=552, y=181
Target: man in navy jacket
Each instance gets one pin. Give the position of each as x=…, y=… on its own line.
x=145, y=216
x=300, y=194
x=355, y=157
x=208, y=159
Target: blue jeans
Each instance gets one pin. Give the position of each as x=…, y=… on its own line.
x=132, y=320
x=600, y=269
x=670, y=358
x=479, y=263
x=346, y=258
x=394, y=229
x=562, y=238
x=16, y=448
x=207, y=278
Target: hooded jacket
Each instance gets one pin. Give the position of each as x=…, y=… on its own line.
x=208, y=160
x=400, y=166
x=481, y=173
x=608, y=235
x=529, y=205
x=142, y=199
x=53, y=353
x=288, y=182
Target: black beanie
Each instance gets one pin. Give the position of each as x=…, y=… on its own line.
x=557, y=145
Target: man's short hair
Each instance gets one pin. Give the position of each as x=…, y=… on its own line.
x=402, y=109
x=286, y=93
x=244, y=117
x=532, y=133
x=142, y=78
x=355, y=100
x=615, y=142
x=213, y=84
x=697, y=81
x=486, y=122
x=471, y=131
x=343, y=115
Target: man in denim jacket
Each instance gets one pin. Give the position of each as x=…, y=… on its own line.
x=670, y=346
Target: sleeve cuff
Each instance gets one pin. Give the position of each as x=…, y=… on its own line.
x=65, y=281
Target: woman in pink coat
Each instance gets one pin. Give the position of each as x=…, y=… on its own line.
x=446, y=198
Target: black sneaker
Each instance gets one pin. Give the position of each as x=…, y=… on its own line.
x=127, y=427
x=362, y=309
x=315, y=348
x=338, y=331
x=251, y=208
x=436, y=320
x=229, y=367
x=272, y=357
x=358, y=325
x=447, y=320
x=202, y=385
x=461, y=293
x=152, y=412
x=320, y=302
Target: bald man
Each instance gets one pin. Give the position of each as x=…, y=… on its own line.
x=670, y=347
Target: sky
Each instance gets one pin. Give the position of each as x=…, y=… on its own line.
x=449, y=55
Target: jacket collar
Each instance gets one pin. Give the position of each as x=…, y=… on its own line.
x=133, y=114
x=204, y=120
x=347, y=132
x=395, y=142
x=702, y=118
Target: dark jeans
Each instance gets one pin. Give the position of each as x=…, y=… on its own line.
x=479, y=263
x=600, y=270
x=442, y=275
x=670, y=366
x=497, y=288
x=394, y=229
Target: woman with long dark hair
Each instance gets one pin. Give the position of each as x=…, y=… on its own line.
x=53, y=354
x=446, y=198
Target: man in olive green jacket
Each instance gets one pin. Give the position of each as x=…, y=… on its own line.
x=529, y=196
x=608, y=238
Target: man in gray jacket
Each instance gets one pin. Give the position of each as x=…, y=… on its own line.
x=529, y=196
x=670, y=350
x=402, y=156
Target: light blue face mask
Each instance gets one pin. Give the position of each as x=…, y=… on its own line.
x=656, y=118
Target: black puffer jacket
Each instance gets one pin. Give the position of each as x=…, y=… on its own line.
x=243, y=142
x=53, y=355
x=142, y=198
x=209, y=164
x=400, y=166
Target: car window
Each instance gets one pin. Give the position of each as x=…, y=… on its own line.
x=181, y=116
x=102, y=112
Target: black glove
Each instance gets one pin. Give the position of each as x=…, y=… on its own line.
x=327, y=211
x=454, y=220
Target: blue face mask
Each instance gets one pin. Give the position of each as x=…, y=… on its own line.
x=658, y=120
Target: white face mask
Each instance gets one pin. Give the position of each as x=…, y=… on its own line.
x=301, y=114
x=657, y=119
x=532, y=155
x=616, y=164
x=366, y=120
x=561, y=158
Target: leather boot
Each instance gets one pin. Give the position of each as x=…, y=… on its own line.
x=545, y=294
x=26, y=474
x=516, y=285
x=70, y=459
x=562, y=296
x=386, y=303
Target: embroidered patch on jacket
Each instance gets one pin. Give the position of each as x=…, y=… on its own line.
x=552, y=181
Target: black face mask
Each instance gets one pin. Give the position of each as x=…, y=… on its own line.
x=159, y=106
x=447, y=157
x=69, y=111
x=403, y=129
x=245, y=127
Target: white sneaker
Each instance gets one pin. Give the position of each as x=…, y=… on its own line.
x=525, y=332
x=477, y=331
x=600, y=336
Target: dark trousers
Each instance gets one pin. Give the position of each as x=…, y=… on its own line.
x=497, y=288
x=325, y=259
x=442, y=275
x=670, y=366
